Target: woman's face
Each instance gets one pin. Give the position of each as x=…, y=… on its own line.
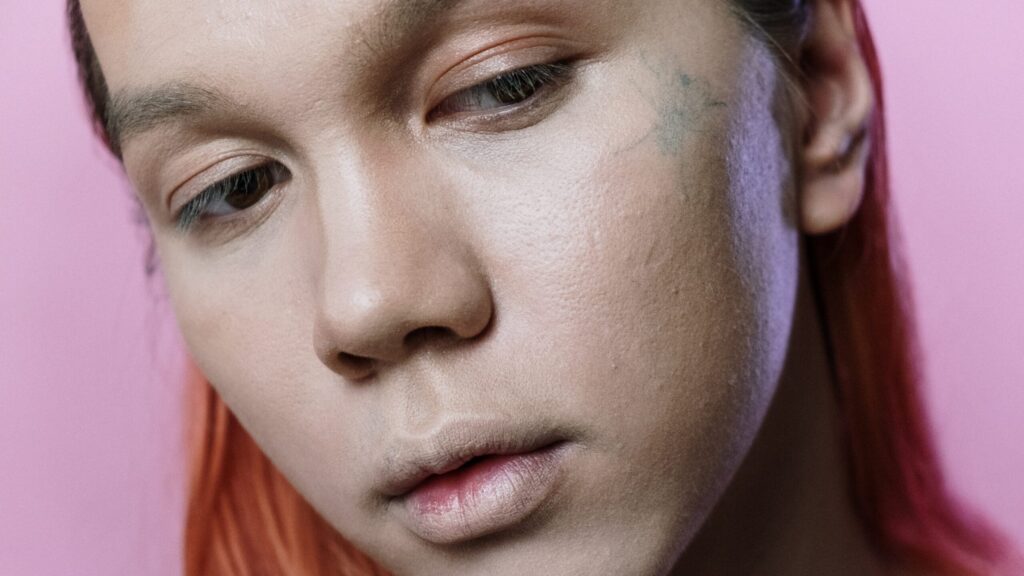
x=421, y=263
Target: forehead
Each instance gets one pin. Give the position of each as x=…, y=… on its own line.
x=148, y=41
x=154, y=37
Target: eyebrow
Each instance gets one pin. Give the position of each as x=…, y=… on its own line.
x=132, y=113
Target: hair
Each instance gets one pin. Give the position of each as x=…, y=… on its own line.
x=244, y=518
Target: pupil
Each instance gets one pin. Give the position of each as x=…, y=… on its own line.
x=246, y=191
x=513, y=89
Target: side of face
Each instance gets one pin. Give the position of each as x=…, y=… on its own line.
x=614, y=257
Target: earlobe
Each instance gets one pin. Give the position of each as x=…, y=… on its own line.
x=840, y=102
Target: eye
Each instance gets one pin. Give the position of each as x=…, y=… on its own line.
x=233, y=194
x=505, y=91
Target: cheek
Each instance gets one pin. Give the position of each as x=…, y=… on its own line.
x=670, y=248
x=233, y=313
x=247, y=323
x=658, y=296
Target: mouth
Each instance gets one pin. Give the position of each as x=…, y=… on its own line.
x=471, y=480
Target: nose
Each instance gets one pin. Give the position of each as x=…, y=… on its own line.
x=396, y=281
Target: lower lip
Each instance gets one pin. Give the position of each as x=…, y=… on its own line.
x=484, y=496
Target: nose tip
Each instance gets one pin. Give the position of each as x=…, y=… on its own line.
x=384, y=327
x=393, y=267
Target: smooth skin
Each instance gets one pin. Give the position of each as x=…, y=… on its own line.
x=617, y=256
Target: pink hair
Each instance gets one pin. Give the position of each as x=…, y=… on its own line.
x=245, y=519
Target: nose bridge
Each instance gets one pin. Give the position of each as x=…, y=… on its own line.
x=394, y=274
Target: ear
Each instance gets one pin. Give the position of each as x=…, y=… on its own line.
x=840, y=101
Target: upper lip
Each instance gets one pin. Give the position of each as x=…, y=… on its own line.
x=411, y=460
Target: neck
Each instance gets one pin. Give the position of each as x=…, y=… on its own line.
x=788, y=510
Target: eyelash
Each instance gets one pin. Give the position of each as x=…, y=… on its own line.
x=263, y=177
x=508, y=91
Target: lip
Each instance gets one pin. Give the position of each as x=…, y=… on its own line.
x=472, y=478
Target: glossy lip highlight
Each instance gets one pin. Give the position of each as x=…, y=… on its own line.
x=444, y=501
x=409, y=462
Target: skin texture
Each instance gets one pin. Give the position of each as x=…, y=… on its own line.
x=619, y=260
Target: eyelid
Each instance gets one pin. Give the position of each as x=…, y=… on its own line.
x=220, y=228
x=496, y=61
x=203, y=180
x=539, y=80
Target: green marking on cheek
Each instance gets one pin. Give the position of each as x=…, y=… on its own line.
x=681, y=102
x=684, y=111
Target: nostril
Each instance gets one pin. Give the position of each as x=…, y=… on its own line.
x=355, y=367
x=420, y=336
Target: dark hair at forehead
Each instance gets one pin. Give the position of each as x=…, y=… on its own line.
x=89, y=72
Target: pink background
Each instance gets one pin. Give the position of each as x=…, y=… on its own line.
x=89, y=399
